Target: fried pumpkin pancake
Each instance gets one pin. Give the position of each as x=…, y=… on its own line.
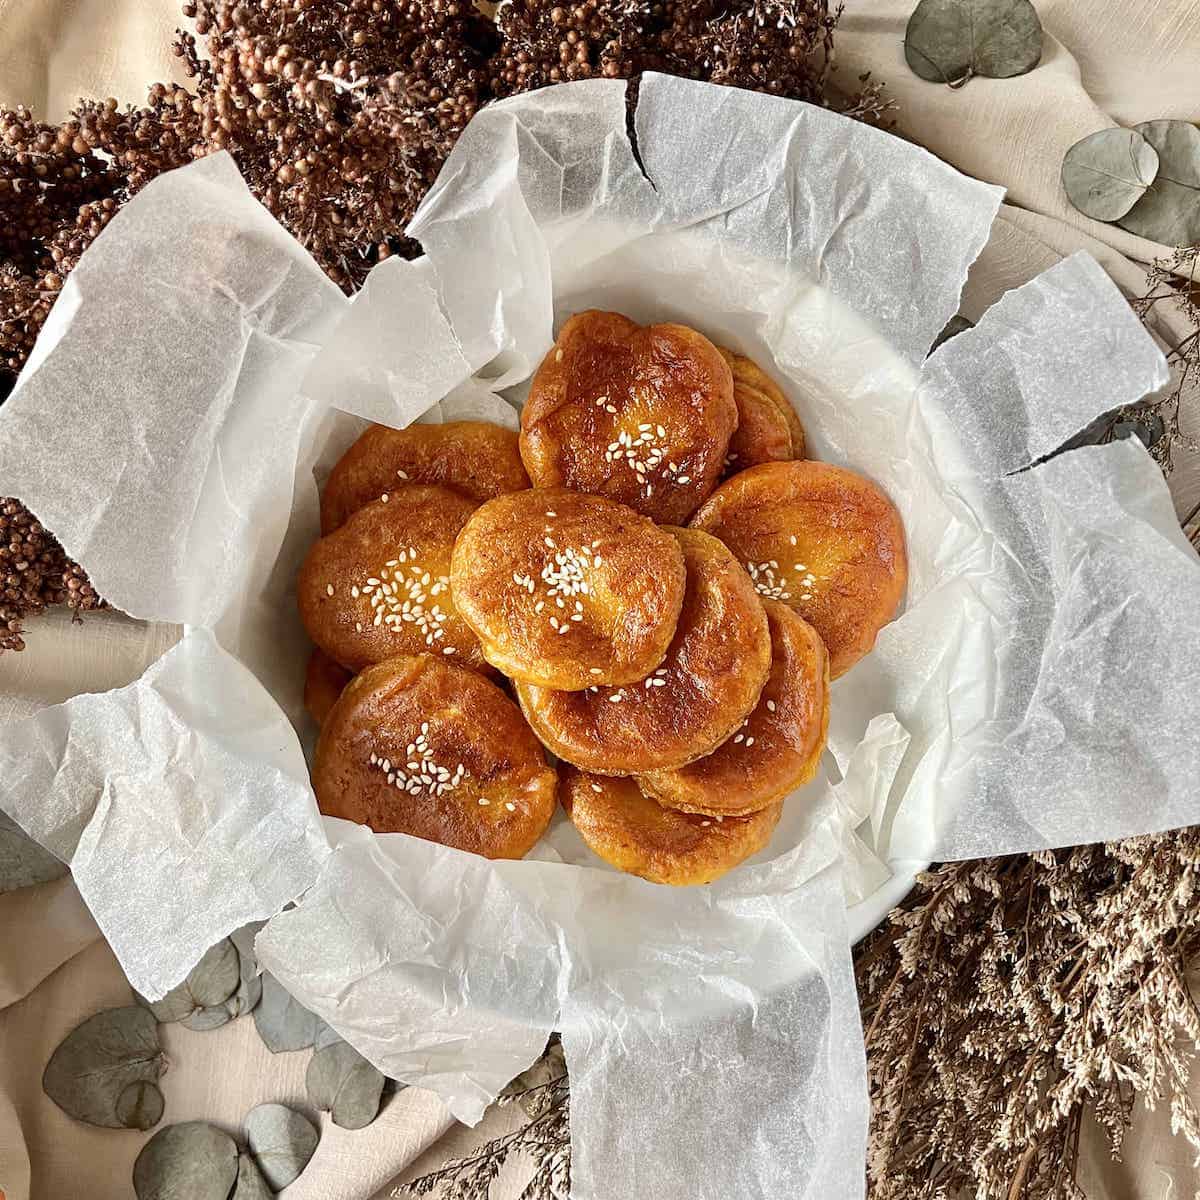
x=630, y=831
x=567, y=590
x=380, y=585
x=418, y=746
x=824, y=540
x=708, y=683
x=768, y=428
x=777, y=747
x=476, y=458
x=324, y=682
x=754, y=390
x=639, y=413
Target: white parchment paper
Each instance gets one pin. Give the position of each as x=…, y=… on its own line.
x=199, y=376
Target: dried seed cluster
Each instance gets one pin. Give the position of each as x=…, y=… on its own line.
x=34, y=574
x=339, y=114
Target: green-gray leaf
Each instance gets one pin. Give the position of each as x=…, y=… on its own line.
x=1169, y=212
x=204, y=1019
x=192, y=1161
x=283, y=1023
x=249, y=989
x=250, y=1183
x=1107, y=172
x=140, y=1105
x=948, y=41
x=210, y=982
x=281, y=1143
x=23, y=862
x=342, y=1083
x=98, y=1060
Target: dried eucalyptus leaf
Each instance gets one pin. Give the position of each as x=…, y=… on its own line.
x=210, y=982
x=140, y=1106
x=250, y=1183
x=174, y=1006
x=216, y=976
x=281, y=1142
x=249, y=989
x=1107, y=172
x=23, y=862
x=342, y=1083
x=1169, y=212
x=326, y=1036
x=282, y=1023
x=948, y=41
x=204, y=1019
x=192, y=1161
x=92, y=1067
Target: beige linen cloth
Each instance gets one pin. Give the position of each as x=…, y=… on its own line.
x=1105, y=62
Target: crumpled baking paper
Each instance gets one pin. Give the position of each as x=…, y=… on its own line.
x=199, y=376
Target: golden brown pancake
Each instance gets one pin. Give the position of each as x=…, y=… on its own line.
x=768, y=428
x=324, y=682
x=476, y=458
x=416, y=745
x=824, y=540
x=777, y=747
x=758, y=388
x=567, y=590
x=636, y=834
x=380, y=584
x=642, y=414
x=708, y=682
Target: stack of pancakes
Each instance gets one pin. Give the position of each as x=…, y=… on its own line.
x=654, y=571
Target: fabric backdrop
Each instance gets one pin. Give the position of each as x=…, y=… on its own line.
x=1105, y=62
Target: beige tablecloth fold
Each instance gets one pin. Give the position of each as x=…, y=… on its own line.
x=1106, y=61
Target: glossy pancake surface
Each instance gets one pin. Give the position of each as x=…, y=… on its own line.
x=641, y=414
x=707, y=684
x=567, y=590
x=418, y=746
x=824, y=540
x=777, y=747
x=634, y=833
x=476, y=458
x=324, y=682
x=764, y=433
x=380, y=584
x=755, y=384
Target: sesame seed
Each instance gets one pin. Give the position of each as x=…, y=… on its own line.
x=749, y=742
x=705, y=824
x=483, y=802
x=770, y=706
x=384, y=497
x=558, y=356
x=358, y=627
x=510, y=806
x=739, y=738
x=329, y=589
x=449, y=650
x=792, y=539
x=595, y=671
x=596, y=787
x=551, y=513
x=402, y=474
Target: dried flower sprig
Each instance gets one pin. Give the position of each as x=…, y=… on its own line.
x=1006, y=997
x=545, y=1141
x=1173, y=286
